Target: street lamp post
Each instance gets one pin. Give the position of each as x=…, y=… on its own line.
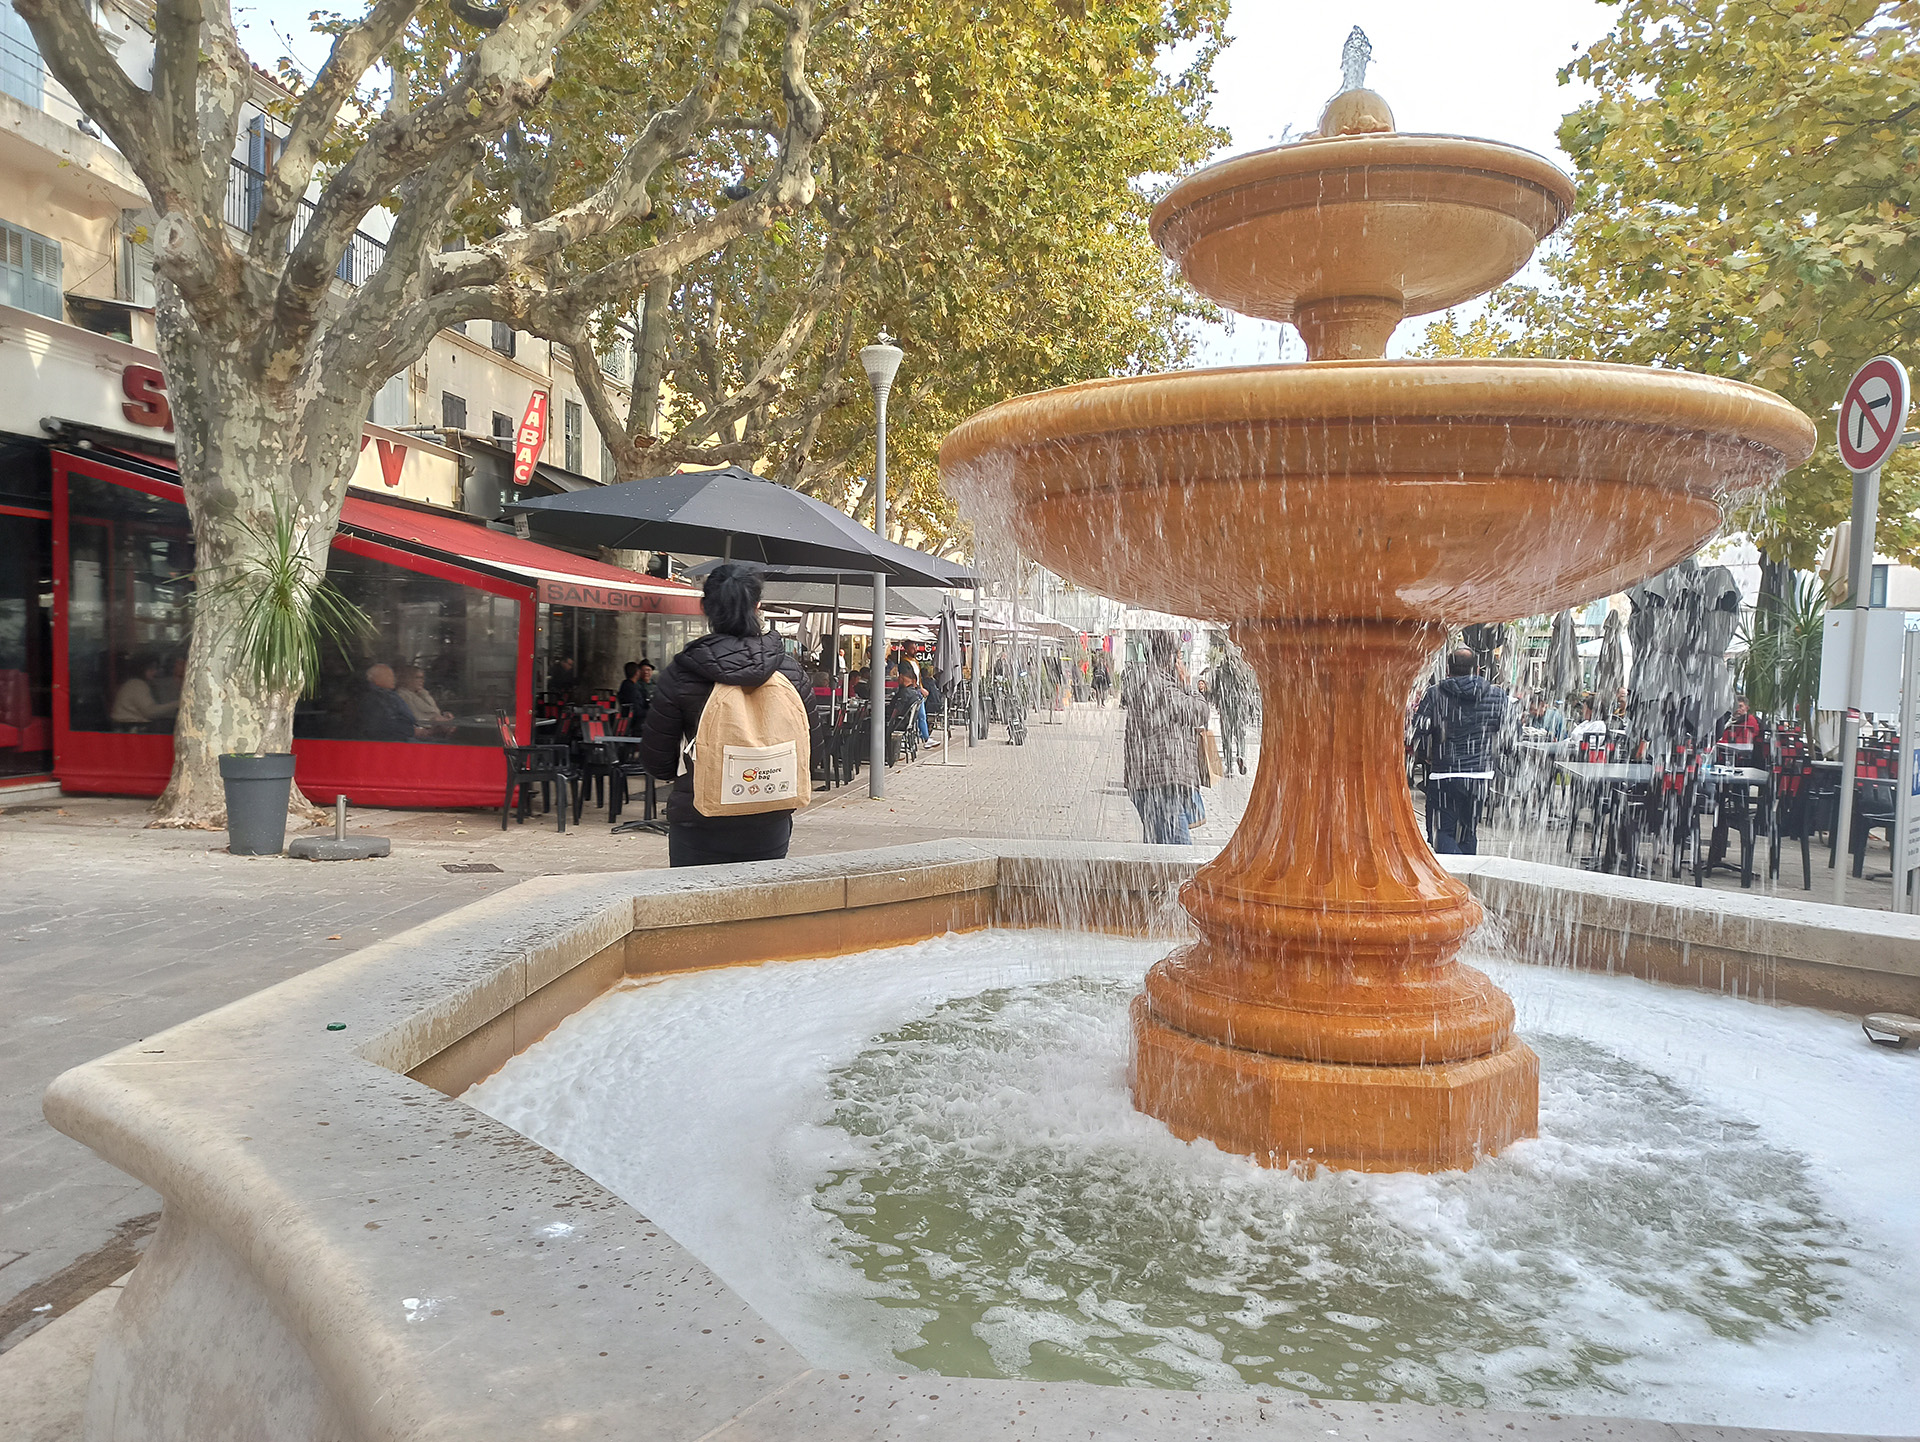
x=882, y=362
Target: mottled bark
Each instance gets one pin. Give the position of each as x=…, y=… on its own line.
x=247, y=446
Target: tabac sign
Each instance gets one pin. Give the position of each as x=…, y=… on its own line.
x=530, y=439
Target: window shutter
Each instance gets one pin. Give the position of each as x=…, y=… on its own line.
x=32, y=273
x=21, y=73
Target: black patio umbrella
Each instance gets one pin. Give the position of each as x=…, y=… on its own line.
x=729, y=513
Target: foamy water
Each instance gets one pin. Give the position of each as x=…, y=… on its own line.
x=927, y=1156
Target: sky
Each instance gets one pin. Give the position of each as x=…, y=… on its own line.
x=1482, y=68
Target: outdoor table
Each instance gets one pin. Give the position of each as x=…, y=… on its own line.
x=1588, y=778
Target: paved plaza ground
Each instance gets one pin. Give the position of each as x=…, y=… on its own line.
x=110, y=931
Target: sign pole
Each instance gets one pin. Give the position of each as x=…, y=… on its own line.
x=1906, y=805
x=1873, y=417
x=1866, y=512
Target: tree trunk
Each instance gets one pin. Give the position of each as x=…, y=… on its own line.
x=1776, y=585
x=242, y=442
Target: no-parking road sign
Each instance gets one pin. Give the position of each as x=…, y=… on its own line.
x=1873, y=413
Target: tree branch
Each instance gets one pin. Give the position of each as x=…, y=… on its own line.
x=355, y=52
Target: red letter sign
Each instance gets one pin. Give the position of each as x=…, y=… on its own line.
x=146, y=392
x=530, y=438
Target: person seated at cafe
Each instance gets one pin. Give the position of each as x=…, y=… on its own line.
x=1553, y=720
x=628, y=696
x=1740, y=727
x=172, y=680
x=135, y=705
x=384, y=712
x=426, y=711
x=912, y=693
x=562, y=678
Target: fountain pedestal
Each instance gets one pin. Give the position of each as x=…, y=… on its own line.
x=1322, y=1014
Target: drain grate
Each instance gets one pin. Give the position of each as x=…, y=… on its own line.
x=469, y=866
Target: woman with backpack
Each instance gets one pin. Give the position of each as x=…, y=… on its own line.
x=715, y=813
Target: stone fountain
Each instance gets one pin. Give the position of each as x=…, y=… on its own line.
x=1343, y=514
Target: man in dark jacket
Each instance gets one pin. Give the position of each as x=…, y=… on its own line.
x=1462, y=717
x=737, y=653
x=1165, y=716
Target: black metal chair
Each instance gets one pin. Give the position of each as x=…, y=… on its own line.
x=1793, y=809
x=528, y=766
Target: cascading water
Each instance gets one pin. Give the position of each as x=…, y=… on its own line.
x=1342, y=514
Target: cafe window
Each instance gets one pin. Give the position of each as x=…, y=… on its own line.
x=448, y=649
x=26, y=619
x=129, y=610
x=130, y=575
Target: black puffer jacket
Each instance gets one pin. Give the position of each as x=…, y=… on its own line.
x=680, y=696
x=1464, y=715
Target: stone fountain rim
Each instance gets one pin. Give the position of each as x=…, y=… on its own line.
x=1328, y=153
x=275, y=1140
x=1457, y=392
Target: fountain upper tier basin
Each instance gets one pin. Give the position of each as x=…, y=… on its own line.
x=1392, y=490
x=1411, y=223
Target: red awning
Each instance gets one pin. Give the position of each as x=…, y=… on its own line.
x=558, y=577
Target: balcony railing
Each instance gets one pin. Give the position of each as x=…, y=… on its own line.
x=245, y=188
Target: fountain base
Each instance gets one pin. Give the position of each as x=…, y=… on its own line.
x=1277, y=1110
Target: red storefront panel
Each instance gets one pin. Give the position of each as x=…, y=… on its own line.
x=377, y=773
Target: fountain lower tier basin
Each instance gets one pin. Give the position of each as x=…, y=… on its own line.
x=931, y=1160
x=1411, y=490
x=1431, y=1117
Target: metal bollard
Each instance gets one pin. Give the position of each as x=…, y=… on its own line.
x=340, y=817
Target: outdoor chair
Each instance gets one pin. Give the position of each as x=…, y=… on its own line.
x=1791, y=811
x=1873, y=801
x=545, y=766
x=605, y=769
x=901, y=729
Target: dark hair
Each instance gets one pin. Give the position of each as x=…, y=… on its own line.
x=1160, y=646
x=632, y=669
x=646, y=665
x=1461, y=663
x=729, y=598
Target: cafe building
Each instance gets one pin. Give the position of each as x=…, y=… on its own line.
x=96, y=566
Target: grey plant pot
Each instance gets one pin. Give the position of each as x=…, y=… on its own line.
x=257, y=789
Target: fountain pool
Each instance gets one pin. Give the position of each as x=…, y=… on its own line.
x=928, y=1156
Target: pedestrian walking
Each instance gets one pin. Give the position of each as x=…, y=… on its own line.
x=1234, y=690
x=740, y=654
x=1165, y=716
x=1461, y=718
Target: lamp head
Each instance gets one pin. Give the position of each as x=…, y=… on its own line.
x=882, y=362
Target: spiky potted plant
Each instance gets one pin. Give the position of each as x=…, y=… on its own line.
x=286, y=612
x=1781, y=671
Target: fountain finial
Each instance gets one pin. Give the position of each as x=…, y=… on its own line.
x=1356, y=110
x=1355, y=56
